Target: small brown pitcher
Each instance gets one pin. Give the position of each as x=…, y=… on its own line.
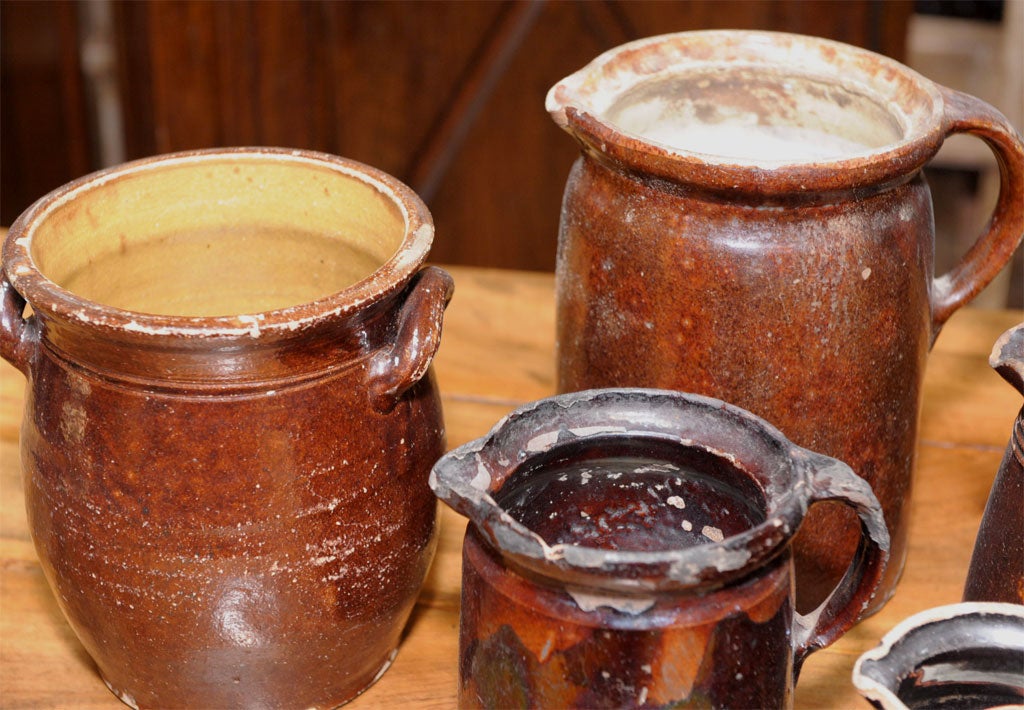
x=748, y=220
x=996, y=572
x=230, y=420
x=631, y=547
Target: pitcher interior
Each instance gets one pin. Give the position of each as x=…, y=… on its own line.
x=649, y=496
x=234, y=235
x=756, y=115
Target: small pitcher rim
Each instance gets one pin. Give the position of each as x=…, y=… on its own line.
x=461, y=479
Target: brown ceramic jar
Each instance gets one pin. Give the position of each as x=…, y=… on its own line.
x=996, y=572
x=748, y=220
x=230, y=420
x=631, y=548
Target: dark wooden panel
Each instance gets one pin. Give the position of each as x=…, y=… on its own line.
x=499, y=203
x=43, y=124
x=878, y=25
x=447, y=96
x=365, y=80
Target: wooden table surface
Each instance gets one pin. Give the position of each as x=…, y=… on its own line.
x=497, y=352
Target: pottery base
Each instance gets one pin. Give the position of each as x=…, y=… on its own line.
x=129, y=700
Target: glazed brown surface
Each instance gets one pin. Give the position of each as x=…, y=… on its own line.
x=617, y=608
x=487, y=365
x=509, y=625
x=997, y=565
x=800, y=287
x=231, y=510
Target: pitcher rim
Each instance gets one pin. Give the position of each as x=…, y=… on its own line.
x=570, y=102
x=42, y=293
x=707, y=565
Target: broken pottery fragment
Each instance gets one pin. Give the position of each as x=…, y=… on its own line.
x=967, y=656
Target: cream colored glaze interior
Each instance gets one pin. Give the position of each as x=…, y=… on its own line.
x=233, y=235
x=759, y=116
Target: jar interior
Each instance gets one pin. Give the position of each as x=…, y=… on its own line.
x=647, y=495
x=756, y=115
x=234, y=235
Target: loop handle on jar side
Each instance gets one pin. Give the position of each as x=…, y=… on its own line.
x=395, y=369
x=993, y=249
x=832, y=480
x=18, y=334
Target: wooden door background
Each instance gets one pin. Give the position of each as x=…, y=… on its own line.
x=448, y=96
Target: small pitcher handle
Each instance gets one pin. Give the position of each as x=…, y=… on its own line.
x=395, y=369
x=833, y=480
x=16, y=332
x=988, y=255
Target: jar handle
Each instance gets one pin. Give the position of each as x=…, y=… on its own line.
x=834, y=480
x=17, y=334
x=395, y=369
x=988, y=255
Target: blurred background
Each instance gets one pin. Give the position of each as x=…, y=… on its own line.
x=448, y=96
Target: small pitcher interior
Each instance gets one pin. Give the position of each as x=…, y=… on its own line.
x=232, y=235
x=632, y=495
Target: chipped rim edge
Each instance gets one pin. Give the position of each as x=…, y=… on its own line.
x=47, y=296
x=875, y=690
x=680, y=568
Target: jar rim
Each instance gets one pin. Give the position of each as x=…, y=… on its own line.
x=46, y=296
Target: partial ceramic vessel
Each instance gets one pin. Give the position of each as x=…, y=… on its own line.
x=748, y=220
x=230, y=420
x=631, y=548
x=996, y=573
x=965, y=656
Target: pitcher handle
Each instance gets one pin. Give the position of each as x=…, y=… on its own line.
x=395, y=369
x=17, y=333
x=833, y=480
x=989, y=254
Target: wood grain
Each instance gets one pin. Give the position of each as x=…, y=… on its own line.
x=497, y=352
x=448, y=96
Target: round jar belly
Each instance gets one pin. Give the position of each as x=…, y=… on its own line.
x=231, y=420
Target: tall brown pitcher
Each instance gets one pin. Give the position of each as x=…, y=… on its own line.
x=748, y=220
